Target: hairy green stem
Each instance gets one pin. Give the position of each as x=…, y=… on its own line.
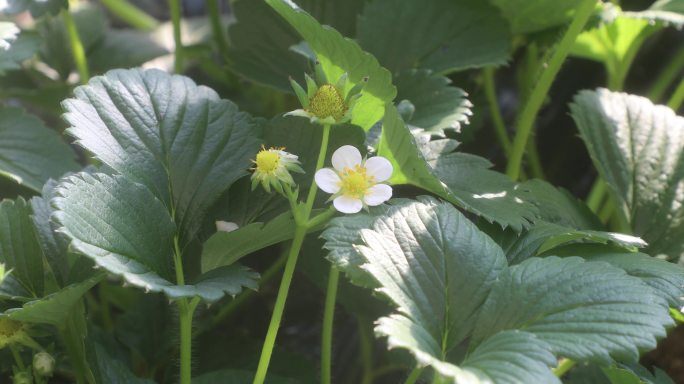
x=328, y=319
x=77, y=50
x=677, y=97
x=534, y=103
x=564, y=366
x=414, y=375
x=186, y=310
x=302, y=220
x=495, y=111
x=667, y=76
x=216, y=28
x=175, y=6
x=366, y=351
x=130, y=14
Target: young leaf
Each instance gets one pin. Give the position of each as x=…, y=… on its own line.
x=637, y=148
x=178, y=139
x=337, y=56
x=129, y=232
x=441, y=35
x=438, y=106
x=585, y=311
x=19, y=249
x=30, y=152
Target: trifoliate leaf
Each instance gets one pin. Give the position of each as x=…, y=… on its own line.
x=441, y=35
x=129, y=232
x=438, y=106
x=30, y=152
x=339, y=55
x=585, y=311
x=637, y=148
x=180, y=140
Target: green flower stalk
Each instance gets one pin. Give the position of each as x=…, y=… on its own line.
x=326, y=103
x=272, y=169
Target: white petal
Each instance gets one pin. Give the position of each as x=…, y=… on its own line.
x=346, y=156
x=377, y=194
x=346, y=204
x=379, y=167
x=226, y=226
x=327, y=180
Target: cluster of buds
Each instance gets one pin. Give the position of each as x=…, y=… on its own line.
x=354, y=182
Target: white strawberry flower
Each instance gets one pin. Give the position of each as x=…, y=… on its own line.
x=355, y=182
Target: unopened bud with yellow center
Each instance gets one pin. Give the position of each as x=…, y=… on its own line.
x=272, y=169
x=324, y=102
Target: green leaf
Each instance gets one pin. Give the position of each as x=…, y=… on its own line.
x=441, y=35
x=585, y=311
x=128, y=231
x=637, y=148
x=437, y=268
x=112, y=370
x=180, y=140
x=634, y=373
x=438, y=106
x=123, y=48
x=8, y=33
x=462, y=179
x=19, y=249
x=337, y=56
x=225, y=248
x=30, y=152
x=557, y=205
x=527, y=16
x=666, y=279
x=37, y=8
x=54, y=245
x=54, y=308
x=611, y=43
x=545, y=237
x=22, y=48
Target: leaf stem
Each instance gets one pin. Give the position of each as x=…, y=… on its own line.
x=186, y=310
x=216, y=28
x=328, y=319
x=132, y=15
x=302, y=220
x=667, y=77
x=17, y=357
x=677, y=97
x=564, y=366
x=534, y=103
x=366, y=351
x=597, y=194
x=77, y=50
x=175, y=6
x=495, y=111
x=414, y=375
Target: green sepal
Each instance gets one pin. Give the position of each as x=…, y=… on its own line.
x=311, y=86
x=342, y=83
x=321, y=78
x=355, y=92
x=299, y=91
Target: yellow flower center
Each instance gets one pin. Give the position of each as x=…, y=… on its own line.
x=355, y=182
x=267, y=160
x=327, y=101
x=9, y=327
